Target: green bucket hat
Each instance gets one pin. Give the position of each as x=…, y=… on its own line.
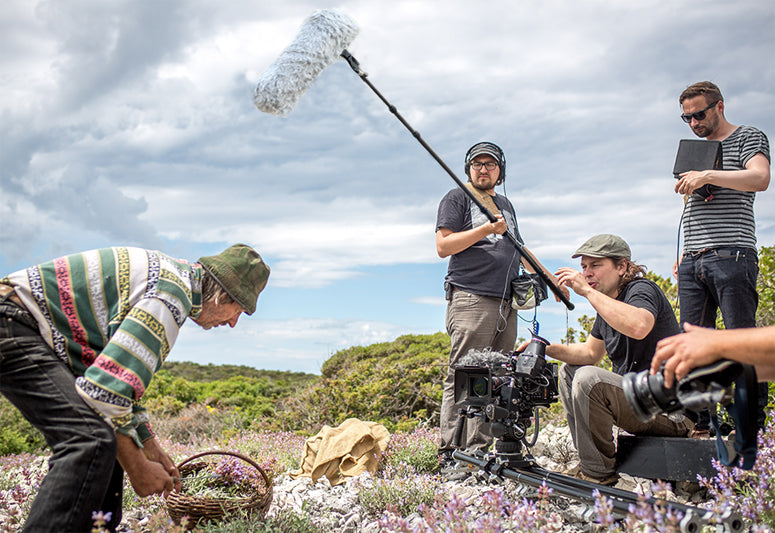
x=241, y=272
x=605, y=245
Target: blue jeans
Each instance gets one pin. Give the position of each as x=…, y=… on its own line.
x=84, y=475
x=725, y=279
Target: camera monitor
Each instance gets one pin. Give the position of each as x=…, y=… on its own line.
x=696, y=154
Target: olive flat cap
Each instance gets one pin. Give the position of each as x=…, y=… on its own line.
x=605, y=245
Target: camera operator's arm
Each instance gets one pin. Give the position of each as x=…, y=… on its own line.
x=579, y=353
x=634, y=322
x=449, y=242
x=702, y=346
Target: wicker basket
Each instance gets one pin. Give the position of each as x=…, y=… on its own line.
x=202, y=509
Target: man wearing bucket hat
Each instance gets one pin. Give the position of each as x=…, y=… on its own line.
x=482, y=267
x=633, y=314
x=81, y=337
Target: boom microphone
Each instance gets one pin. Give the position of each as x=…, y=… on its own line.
x=320, y=41
x=323, y=37
x=483, y=358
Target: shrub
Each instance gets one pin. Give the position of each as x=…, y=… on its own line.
x=401, y=496
x=197, y=423
x=412, y=453
x=397, y=384
x=16, y=434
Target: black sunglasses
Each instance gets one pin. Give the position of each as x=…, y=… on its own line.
x=699, y=115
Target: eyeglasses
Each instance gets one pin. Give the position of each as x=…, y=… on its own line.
x=489, y=165
x=699, y=115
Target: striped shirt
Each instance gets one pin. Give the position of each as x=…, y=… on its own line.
x=727, y=219
x=112, y=315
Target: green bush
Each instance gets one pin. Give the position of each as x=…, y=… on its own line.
x=16, y=434
x=398, y=384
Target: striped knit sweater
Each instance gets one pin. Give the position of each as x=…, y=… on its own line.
x=728, y=219
x=112, y=315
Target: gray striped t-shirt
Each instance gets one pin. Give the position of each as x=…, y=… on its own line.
x=727, y=220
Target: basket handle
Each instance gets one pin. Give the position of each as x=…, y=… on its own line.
x=234, y=454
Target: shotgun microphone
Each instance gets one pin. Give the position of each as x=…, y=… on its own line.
x=320, y=41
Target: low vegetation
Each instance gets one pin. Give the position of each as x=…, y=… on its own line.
x=267, y=415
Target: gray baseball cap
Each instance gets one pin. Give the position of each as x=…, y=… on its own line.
x=604, y=245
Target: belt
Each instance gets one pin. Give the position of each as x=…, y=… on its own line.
x=8, y=291
x=725, y=252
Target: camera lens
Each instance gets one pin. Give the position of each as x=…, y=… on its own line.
x=648, y=396
x=478, y=386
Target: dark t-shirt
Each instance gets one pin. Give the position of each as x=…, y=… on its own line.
x=488, y=266
x=632, y=355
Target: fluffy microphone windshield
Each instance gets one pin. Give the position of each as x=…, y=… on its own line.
x=320, y=41
x=483, y=358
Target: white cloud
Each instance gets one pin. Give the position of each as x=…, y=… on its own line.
x=132, y=123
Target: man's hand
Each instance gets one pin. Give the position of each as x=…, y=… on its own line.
x=692, y=180
x=147, y=477
x=683, y=352
x=574, y=279
x=154, y=452
x=151, y=478
x=499, y=226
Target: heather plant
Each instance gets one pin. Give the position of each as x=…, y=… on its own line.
x=399, y=495
x=643, y=517
x=20, y=477
x=751, y=492
x=414, y=452
x=281, y=449
x=228, y=478
x=499, y=514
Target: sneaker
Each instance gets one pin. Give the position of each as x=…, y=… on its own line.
x=608, y=481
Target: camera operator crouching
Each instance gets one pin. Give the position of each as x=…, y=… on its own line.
x=633, y=314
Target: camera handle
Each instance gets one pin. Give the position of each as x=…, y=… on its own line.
x=464, y=414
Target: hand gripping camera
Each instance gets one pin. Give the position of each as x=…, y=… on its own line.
x=505, y=390
x=701, y=388
x=726, y=382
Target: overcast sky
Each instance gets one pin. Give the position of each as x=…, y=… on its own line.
x=131, y=123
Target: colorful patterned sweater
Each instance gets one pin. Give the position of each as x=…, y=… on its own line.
x=112, y=315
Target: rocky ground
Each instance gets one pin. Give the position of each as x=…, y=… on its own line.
x=336, y=508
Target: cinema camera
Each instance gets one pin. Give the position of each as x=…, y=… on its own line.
x=505, y=390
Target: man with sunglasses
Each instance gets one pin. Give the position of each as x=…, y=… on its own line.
x=482, y=266
x=719, y=266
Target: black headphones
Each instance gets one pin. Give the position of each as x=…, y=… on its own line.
x=487, y=148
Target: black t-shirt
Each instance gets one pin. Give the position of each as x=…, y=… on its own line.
x=632, y=355
x=488, y=266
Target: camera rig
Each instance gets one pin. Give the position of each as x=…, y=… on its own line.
x=506, y=390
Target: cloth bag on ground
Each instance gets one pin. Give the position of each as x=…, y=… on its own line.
x=345, y=451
